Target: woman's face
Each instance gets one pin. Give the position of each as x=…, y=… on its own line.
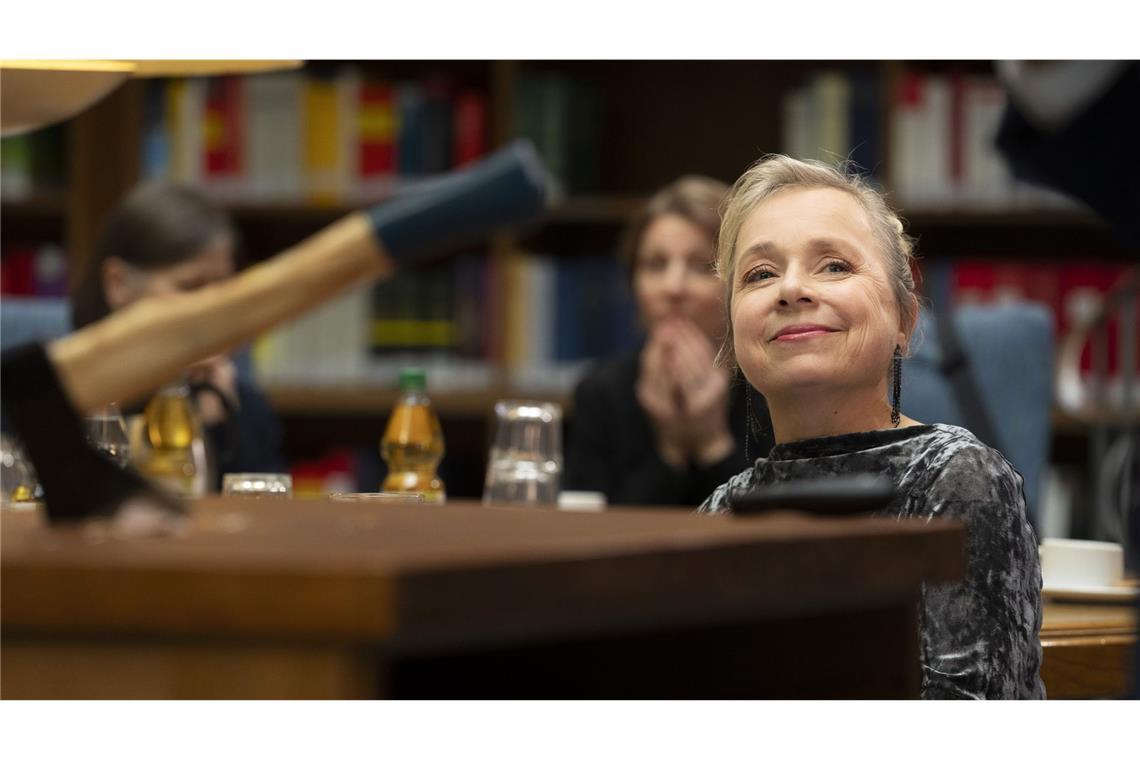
x=812, y=305
x=674, y=276
x=125, y=284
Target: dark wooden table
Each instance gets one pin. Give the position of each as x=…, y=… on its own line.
x=334, y=600
x=1087, y=649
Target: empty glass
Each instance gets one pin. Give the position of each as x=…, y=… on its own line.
x=106, y=431
x=525, y=464
x=18, y=486
x=264, y=484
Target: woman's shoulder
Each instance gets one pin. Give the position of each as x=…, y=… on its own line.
x=964, y=468
x=718, y=499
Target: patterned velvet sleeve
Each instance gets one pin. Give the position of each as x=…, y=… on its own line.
x=717, y=501
x=980, y=637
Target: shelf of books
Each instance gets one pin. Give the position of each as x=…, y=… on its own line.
x=524, y=314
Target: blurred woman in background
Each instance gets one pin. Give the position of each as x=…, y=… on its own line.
x=166, y=239
x=663, y=424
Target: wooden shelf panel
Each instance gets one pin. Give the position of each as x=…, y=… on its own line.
x=365, y=399
x=373, y=400
x=40, y=205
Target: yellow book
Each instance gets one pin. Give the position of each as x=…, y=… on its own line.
x=175, y=105
x=322, y=142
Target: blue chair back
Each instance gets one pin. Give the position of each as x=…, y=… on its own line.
x=1010, y=350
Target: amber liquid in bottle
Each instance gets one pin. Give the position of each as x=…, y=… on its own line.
x=413, y=443
x=171, y=428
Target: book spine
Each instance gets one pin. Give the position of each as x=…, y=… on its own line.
x=322, y=140
x=864, y=123
x=794, y=123
x=905, y=134
x=410, y=138
x=377, y=124
x=222, y=135
x=156, y=133
x=470, y=128
x=16, y=166
x=936, y=189
x=437, y=139
x=831, y=91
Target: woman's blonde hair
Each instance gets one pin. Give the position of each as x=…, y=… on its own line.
x=774, y=173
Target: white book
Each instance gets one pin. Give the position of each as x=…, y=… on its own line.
x=547, y=310
x=986, y=178
x=831, y=91
x=905, y=140
x=348, y=139
x=935, y=184
x=274, y=136
x=797, y=140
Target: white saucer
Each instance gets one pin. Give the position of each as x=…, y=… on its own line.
x=1121, y=593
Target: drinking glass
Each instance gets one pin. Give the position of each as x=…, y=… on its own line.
x=18, y=486
x=525, y=464
x=106, y=431
x=258, y=484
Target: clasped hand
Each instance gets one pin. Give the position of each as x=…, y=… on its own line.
x=685, y=395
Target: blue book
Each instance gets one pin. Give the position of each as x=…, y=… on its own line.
x=568, y=309
x=156, y=141
x=410, y=141
x=864, y=122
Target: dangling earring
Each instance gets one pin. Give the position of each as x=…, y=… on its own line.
x=896, y=387
x=748, y=422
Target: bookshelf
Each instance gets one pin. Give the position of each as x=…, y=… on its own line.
x=652, y=121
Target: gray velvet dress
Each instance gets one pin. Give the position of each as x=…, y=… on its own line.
x=979, y=638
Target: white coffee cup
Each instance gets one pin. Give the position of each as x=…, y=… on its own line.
x=1072, y=563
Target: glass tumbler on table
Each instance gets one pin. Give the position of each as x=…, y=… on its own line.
x=525, y=464
x=106, y=431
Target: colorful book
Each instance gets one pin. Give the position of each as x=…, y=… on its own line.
x=831, y=92
x=864, y=122
x=275, y=139
x=324, y=172
x=470, y=128
x=377, y=131
x=410, y=137
x=222, y=138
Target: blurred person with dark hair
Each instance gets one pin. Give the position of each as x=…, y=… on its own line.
x=164, y=239
x=663, y=424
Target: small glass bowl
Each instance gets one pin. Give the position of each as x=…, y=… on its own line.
x=258, y=484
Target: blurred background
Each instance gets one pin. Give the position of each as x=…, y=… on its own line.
x=523, y=313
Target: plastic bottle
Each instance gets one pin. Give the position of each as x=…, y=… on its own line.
x=413, y=441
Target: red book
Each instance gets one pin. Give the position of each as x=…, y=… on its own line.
x=377, y=132
x=18, y=275
x=470, y=131
x=222, y=135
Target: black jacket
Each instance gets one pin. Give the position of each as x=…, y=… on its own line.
x=611, y=442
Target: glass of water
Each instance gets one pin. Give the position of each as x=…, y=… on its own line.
x=106, y=431
x=525, y=464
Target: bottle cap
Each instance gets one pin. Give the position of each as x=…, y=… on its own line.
x=413, y=379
